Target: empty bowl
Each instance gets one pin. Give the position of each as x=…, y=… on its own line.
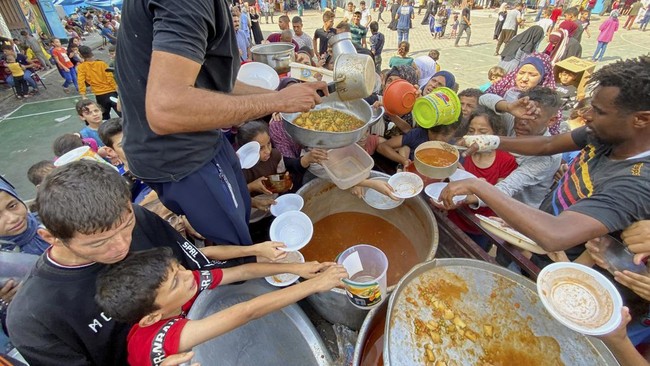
x=399, y=97
x=286, y=203
x=378, y=200
x=406, y=185
x=433, y=190
x=292, y=228
x=285, y=279
x=259, y=74
x=249, y=154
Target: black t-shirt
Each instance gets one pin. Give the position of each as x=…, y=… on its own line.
x=195, y=29
x=54, y=320
x=323, y=37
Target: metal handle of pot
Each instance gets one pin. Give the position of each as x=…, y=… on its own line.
x=377, y=113
x=331, y=88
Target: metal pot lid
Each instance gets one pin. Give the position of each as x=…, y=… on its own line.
x=272, y=48
x=500, y=315
x=355, y=70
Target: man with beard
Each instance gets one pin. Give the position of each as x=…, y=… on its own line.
x=606, y=187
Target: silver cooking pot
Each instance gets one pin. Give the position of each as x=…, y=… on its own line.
x=333, y=140
x=342, y=44
x=278, y=55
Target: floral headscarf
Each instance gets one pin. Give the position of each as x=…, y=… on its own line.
x=405, y=72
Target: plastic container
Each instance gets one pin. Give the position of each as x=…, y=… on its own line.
x=287, y=203
x=348, y=166
x=286, y=279
x=80, y=153
x=292, y=228
x=366, y=267
x=580, y=298
x=15, y=266
x=440, y=107
x=433, y=190
x=399, y=97
x=259, y=75
x=618, y=257
x=249, y=154
x=406, y=185
x=378, y=200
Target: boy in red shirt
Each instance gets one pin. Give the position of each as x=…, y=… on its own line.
x=555, y=15
x=66, y=67
x=154, y=291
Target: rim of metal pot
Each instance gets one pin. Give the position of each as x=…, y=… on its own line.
x=266, y=49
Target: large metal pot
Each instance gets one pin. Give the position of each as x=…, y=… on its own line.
x=354, y=76
x=375, y=319
x=332, y=140
x=413, y=217
x=342, y=44
x=260, y=341
x=278, y=55
x=480, y=294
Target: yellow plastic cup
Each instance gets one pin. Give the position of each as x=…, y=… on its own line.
x=440, y=107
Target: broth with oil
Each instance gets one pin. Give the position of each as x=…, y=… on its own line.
x=436, y=157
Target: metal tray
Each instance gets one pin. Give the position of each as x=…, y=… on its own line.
x=481, y=294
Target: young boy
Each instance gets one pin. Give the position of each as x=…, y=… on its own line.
x=37, y=172
x=495, y=74
x=18, y=72
x=64, y=64
x=322, y=35
x=152, y=290
x=377, y=40
x=91, y=114
x=94, y=73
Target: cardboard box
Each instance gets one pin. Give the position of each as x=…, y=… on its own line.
x=582, y=68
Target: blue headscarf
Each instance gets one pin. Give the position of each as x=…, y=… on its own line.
x=450, y=79
x=28, y=241
x=537, y=63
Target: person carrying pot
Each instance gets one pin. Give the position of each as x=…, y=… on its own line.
x=173, y=121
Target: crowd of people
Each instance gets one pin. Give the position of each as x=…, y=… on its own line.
x=125, y=245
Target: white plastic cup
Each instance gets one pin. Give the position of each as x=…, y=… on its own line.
x=366, y=266
x=286, y=203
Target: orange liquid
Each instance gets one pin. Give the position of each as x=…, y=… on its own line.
x=373, y=349
x=335, y=233
x=436, y=157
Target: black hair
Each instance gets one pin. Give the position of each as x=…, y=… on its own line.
x=247, y=132
x=445, y=129
x=85, y=197
x=343, y=26
x=296, y=20
x=632, y=78
x=357, y=13
x=284, y=18
x=471, y=92
x=37, y=172
x=85, y=51
x=127, y=290
x=546, y=97
x=572, y=11
x=374, y=26
x=109, y=129
x=496, y=123
x=82, y=106
x=65, y=143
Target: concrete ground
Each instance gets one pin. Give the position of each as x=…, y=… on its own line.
x=28, y=128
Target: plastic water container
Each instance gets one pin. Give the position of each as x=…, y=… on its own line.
x=15, y=266
x=366, y=267
x=440, y=107
x=348, y=166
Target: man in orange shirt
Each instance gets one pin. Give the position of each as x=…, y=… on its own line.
x=103, y=84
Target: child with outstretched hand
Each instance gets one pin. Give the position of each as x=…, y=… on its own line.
x=153, y=291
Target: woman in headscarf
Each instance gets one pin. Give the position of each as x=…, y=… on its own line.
x=535, y=70
x=520, y=47
x=405, y=122
x=18, y=226
x=439, y=79
x=561, y=46
x=501, y=17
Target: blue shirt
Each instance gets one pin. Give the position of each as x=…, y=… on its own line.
x=89, y=133
x=243, y=23
x=243, y=42
x=404, y=19
x=414, y=138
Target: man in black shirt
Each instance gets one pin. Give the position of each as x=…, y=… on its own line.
x=322, y=35
x=53, y=319
x=176, y=68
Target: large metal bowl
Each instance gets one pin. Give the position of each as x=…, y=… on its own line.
x=480, y=293
x=278, y=55
x=333, y=140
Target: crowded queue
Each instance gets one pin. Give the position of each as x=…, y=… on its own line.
x=113, y=241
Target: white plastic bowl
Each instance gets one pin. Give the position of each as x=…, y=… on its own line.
x=292, y=228
x=249, y=154
x=406, y=185
x=285, y=279
x=259, y=74
x=433, y=190
x=378, y=200
x=286, y=203
x=570, y=293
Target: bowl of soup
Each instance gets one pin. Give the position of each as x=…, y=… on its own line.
x=436, y=159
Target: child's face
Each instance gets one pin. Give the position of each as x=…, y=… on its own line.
x=479, y=125
x=179, y=288
x=495, y=78
x=92, y=115
x=265, y=145
x=13, y=215
x=566, y=77
x=117, y=147
x=56, y=43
